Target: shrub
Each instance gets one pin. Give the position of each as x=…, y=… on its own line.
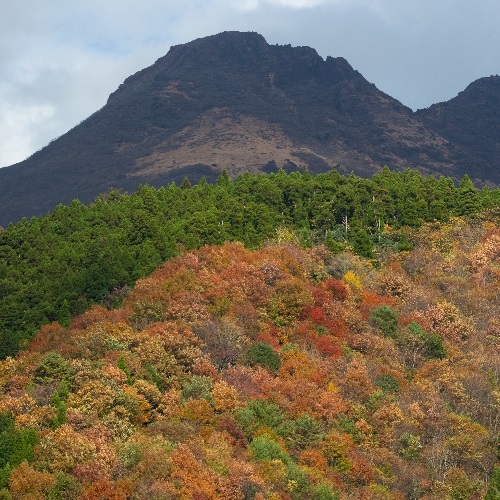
x=432, y=342
x=52, y=367
x=494, y=485
x=197, y=387
x=301, y=431
x=410, y=446
x=323, y=492
x=257, y=414
x=66, y=487
x=262, y=354
x=386, y=320
x=387, y=383
x=264, y=447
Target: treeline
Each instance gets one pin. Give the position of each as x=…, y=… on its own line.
x=56, y=266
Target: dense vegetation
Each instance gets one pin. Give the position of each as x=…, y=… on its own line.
x=56, y=266
x=280, y=373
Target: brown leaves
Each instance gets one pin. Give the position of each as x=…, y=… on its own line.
x=27, y=483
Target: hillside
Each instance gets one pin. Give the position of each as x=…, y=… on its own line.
x=274, y=373
x=56, y=266
x=233, y=101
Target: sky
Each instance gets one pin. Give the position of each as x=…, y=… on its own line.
x=60, y=59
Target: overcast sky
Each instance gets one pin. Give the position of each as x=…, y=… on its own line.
x=60, y=59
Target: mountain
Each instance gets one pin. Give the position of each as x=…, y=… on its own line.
x=472, y=121
x=233, y=101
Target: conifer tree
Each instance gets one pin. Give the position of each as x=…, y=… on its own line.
x=468, y=198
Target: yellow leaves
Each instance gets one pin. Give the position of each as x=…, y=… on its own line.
x=24, y=404
x=335, y=447
x=94, y=398
x=218, y=452
x=64, y=449
x=331, y=387
x=273, y=472
x=354, y=281
x=41, y=417
x=149, y=391
x=137, y=406
x=225, y=397
x=285, y=236
x=121, y=333
x=289, y=299
x=388, y=415
x=7, y=368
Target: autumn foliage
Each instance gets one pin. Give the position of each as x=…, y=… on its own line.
x=279, y=373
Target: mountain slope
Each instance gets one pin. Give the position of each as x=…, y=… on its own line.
x=231, y=101
x=231, y=374
x=471, y=120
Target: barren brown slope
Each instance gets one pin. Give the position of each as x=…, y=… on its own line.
x=226, y=101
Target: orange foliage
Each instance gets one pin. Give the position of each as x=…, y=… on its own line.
x=48, y=338
x=226, y=398
x=357, y=383
x=329, y=405
x=198, y=410
x=192, y=475
x=313, y=458
x=103, y=489
x=371, y=300
x=27, y=483
x=296, y=365
x=130, y=432
x=95, y=315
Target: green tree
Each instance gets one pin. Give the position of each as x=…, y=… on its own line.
x=493, y=492
x=262, y=354
x=386, y=320
x=468, y=202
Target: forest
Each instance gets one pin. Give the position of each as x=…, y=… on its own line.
x=281, y=372
x=278, y=337
x=55, y=267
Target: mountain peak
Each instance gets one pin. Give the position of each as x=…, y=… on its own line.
x=227, y=43
x=232, y=101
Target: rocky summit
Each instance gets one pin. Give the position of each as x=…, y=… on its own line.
x=232, y=101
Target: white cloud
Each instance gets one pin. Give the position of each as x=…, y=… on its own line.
x=294, y=4
x=67, y=56
x=19, y=124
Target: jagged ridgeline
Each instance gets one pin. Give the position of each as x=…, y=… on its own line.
x=56, y=266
